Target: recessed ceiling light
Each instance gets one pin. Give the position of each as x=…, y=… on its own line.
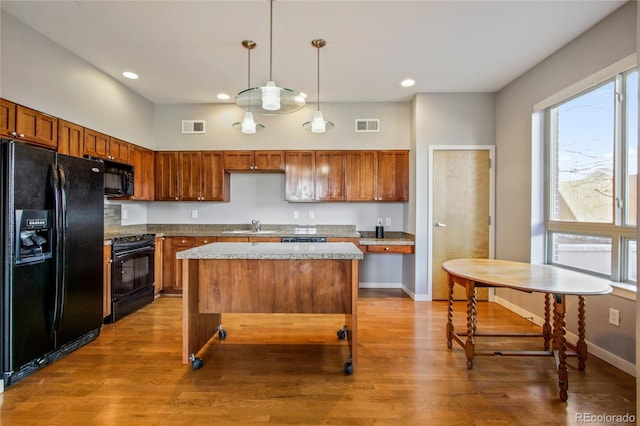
x=131, y=75
x=223, y=96
x=408, y=82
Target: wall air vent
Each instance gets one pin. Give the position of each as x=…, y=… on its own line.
x=193, y=126
x=367, y=124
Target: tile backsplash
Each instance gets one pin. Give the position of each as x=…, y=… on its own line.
x=112, y=215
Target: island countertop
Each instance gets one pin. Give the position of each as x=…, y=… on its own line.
x=273, y=251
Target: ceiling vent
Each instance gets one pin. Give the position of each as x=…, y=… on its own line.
x=367, y=124
x=192, y=126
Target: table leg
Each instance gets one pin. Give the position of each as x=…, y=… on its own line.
x=581, y=346
x=546, y=327
x=471, y=322
x=450, y=331
x=560, y=344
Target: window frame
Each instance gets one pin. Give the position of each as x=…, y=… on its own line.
x=619, y=231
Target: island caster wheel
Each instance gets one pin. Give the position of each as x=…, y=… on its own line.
x=196, y=363
x=348, y=367
x=342, y=333
x=222, y=334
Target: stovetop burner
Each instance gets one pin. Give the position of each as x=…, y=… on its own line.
x=133, y=242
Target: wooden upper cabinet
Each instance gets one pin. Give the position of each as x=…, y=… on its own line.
x=215, y=181
x=96, y=144
x=191, y=176
x=299, y=169
x=8, y=119
x=103, y=146
x=189, y=172
x=377, y=175
x=142, y=160
x=257, y=161
x=330, y=176
x=393, y=175
x=166, y=188
x=119, y=151
x=70, y=139
x=362, y=173
x=36, y=127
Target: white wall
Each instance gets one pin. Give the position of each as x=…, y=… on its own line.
x=42, y=75
x=606, y=43
x=283, y=132
x=441, y=119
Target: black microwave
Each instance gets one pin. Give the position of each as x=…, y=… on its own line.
x=118, y=178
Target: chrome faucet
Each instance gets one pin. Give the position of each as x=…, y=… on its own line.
x=256, y=225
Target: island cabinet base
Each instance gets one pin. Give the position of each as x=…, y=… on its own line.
x=301, y=286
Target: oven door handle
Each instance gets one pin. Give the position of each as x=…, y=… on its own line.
x=124, y=253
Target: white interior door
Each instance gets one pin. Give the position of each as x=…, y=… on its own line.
x=461, y=207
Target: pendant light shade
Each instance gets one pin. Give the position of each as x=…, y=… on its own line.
x=248, y=125
x=318, y=124
x=270, y=99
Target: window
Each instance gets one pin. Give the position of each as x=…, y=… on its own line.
x=591, y=157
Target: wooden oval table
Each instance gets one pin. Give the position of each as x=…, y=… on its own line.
x=556, y=283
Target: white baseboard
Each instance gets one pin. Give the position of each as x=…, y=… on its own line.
x=601, y=353
x=379, y=285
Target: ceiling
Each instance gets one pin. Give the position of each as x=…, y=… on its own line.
x=189, y=51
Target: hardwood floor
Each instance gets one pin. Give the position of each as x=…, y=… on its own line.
x=287, y=369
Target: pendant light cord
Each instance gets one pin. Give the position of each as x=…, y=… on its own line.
x=270, y=40
x=318, y=74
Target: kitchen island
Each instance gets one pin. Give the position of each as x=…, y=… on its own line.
x=300, y=278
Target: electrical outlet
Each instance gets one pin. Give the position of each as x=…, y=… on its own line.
x=312, y=214
x=614, y=317
x=194, y=214
x=296, y=214
x=379, y=221
x=125, y=214
x=388, y=221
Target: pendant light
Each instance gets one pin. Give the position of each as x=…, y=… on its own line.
x=270, y=99
x=318, y=124
x=248, y=125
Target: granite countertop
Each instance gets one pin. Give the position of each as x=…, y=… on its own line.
x=327, y=251
x=243, y=230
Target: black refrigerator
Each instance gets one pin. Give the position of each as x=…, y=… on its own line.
x=52, y=233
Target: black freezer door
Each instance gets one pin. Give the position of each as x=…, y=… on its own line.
x=84, y=244
x=27, y=291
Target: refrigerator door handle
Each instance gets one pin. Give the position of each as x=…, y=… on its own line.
x=62, y=258
x=54, y=182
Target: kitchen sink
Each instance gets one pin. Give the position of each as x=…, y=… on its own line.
x=249, y=232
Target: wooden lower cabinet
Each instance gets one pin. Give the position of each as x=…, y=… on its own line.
x=171, y=268
x=106, y=281
x=388, y=249
x=157, y=266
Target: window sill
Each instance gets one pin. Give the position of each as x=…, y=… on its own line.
x=624, y=290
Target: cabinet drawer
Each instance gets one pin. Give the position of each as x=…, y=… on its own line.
x=389, y=249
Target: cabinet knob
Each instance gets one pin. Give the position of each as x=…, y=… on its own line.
x=386, y=249
x=21, y=135
x=14, y=134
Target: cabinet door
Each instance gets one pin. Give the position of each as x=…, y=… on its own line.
x=299, y=176
x=157, y=265
x=39, y=128
x=272, y=161
x=70, y=139
x=189, y=171
x=166, y=176
x=238, y=160
x=215, y=180
x=171, y=267
x=96, y=144
x=330, y=176
x=106, y=281
x=7, y=118
x=362, y=172
x=142, y=160
x=393, y=175
x=119, y=150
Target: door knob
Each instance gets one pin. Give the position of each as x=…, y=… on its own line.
x=441, y=225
